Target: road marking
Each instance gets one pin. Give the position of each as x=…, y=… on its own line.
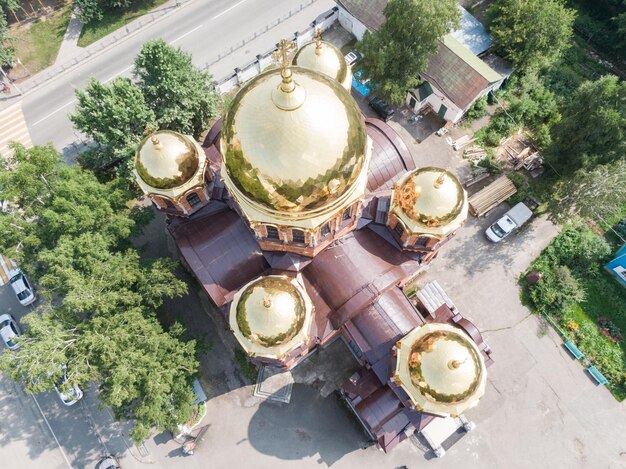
x=228, y=9
x=186, y=34
x=52, y=431
x=117, y=74
x=54, y=112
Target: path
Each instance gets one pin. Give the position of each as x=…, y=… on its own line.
x=69, y=46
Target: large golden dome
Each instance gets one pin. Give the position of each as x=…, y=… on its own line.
x=294, y=143
x=430, y=200
x=325, y=58
x=441, y=369
x=271, y=315
x=166, y=159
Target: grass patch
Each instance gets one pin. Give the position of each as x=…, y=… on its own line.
x=113, y=20
x=37, y=46
x=249, y=370
x=603, y=303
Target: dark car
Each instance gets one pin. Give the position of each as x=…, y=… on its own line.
x=384, y=110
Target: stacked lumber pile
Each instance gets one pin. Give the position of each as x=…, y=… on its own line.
x=491, y=196
x=527, y=158
x=474, y=154
x=478, y=175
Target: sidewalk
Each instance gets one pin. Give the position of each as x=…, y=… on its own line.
x=69, y=46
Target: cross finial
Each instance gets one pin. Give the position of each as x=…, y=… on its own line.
x=318, y=40
x=282, y=56
x=440, y=180
x=282, y=53
x=153, y=138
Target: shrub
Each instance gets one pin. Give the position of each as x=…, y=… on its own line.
x=557, y=290
x=478, y=109
x=580, y=248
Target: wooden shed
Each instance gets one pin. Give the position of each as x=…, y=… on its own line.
x=491, y=196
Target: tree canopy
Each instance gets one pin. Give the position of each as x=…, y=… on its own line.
x=7, y=51
x=399, y=51
x=182, y=97
x=115, y=116
x=531, y=33
x=98, y=315
x=593, y=128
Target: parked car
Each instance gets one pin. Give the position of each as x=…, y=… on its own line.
x=72, y=395
x=22, y=287
x=351, y=57
x=108, y=462
x=384, y=110
x=9, y=331
x=511, y=220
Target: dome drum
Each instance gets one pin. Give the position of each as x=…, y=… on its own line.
x=441, y=369
x=429, y=202
x=172, y=169
x=297, y=164
x=271, y=317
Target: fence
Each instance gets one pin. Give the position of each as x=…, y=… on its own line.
x=263, y=60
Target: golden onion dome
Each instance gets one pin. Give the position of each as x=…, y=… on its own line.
x=293, y=141
x=271, y=316
x=441, y=369
x=166, y=159
x=325, y=58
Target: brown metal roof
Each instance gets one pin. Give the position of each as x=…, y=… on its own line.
x=351, y=273
x=368, y=12
x=390, y=156
x=220, y=251
x=454, y=77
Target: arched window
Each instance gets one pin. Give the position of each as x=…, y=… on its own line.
x=193, y=199
x=421, y=241
x=168, y=203
x=347, y=214
x=399, y=229
x=297, y=236
x=272, y=232
x=325, y=229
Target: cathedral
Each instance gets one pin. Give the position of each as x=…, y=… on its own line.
x=304, y=221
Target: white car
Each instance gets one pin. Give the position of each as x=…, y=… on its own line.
x=72, y=395
x=9, y=331
x=22, y=288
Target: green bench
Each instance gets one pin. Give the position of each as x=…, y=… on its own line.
x=599, y=377
x=575, y=351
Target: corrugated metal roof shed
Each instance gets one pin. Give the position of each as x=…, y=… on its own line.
x=472, y=34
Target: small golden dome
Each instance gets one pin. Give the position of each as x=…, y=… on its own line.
x=441, y=369
x=430, y=196
x=293, y=151
x=166, y=159
x=325, y=58
x=271, y=315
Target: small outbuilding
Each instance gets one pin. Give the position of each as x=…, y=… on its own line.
x=617, y=266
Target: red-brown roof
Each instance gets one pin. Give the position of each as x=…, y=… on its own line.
x=390, y=156
x=454, y=77
x=220, y=250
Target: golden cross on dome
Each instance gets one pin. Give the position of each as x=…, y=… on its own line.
x=150, y=132
x=282, y=53
x=318, y=40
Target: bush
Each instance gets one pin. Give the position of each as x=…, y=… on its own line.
x=557, y=290
x=478, y=109
x=579, y=248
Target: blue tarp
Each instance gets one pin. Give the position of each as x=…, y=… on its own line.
x=362, y=87
x=618, y=265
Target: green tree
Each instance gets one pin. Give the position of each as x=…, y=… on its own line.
x=593, y=128
x=7, y=51
x=531, y=33
x=588, y=193
x=399, y=51
x=88, y=11
x=115, y=116
x=99, y=319
x=182, y=97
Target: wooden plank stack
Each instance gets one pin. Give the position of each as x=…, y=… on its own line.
x=491, y=196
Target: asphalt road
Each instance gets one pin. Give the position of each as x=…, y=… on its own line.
x=205, y=28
